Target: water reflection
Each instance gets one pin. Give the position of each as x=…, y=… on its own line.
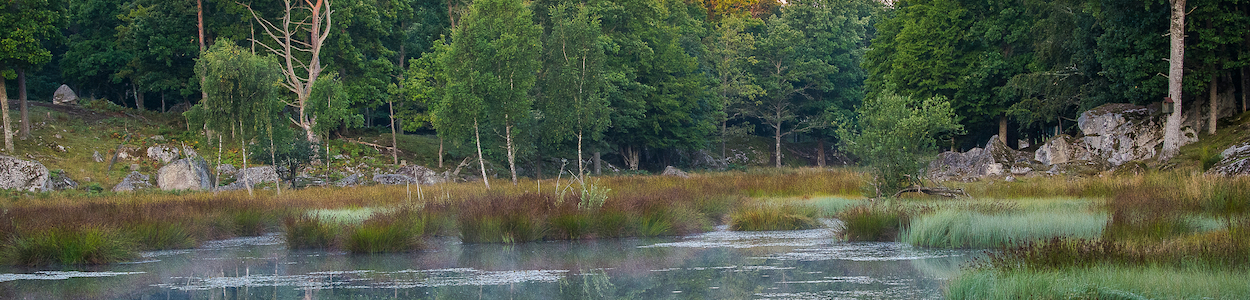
x=722, y=264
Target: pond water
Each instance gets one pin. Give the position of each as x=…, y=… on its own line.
x=807, y=264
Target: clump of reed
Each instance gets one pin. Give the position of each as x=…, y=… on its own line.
x=960, y=228
x=873, y=222
x=68, y=246
x=160, y=235
x=773, y=216
x=304, y=232
x=399, y=232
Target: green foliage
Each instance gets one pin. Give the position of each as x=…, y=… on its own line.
x=895, y=135
x=243, y=91
x=161, y=59
x=68, y=246
x=25, y=27
x=573, y=87
x=285, y=149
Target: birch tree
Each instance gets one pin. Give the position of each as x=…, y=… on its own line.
x=1176, y=70
x=572, y=101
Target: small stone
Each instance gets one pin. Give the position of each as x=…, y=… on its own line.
x=673, y=171
x=134, y=167
x=95, y=155
x=57, y=135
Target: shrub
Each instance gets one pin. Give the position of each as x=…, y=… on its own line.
x=387, y=233
x=92, y=245
x=894, y=135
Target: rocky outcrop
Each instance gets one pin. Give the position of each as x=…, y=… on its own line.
x=1235, y=162
x=996, y=159
x=350, y=180
x=184, y=174
x=393, y=179
x=421, y=175
x=674, y=171
x=24, y=175
x=1121, y=133
x=64, y=96
x=252, y=176
x=227, y=169
x=133, y=182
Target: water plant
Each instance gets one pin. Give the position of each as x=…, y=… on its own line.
x=160, y=235
x=305, y=232
x=387, y=233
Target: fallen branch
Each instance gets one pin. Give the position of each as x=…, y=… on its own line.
x=372, y=145
x=944, y=192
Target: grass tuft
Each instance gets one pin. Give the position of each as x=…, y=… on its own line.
x=879, y=223
x=67, y=246
x=774, y=217
x=952, y=228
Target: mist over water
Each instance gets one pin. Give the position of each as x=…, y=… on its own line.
x=806, y=264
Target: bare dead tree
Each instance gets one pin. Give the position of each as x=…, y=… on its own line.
x=295, y=40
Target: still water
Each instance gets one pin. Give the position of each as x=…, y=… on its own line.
x=807, y=264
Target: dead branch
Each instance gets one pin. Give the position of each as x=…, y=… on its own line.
x=944, y=192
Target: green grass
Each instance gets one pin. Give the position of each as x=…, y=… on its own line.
x=1102, y=282
x=389, y=234
x=68, y=247
x=951, y=228
x=160, y=236
x=308, y=233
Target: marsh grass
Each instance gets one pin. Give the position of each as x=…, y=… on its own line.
x=774, y=216
x=305, y=232
x=68, y=246
x=398, y=232
x=160, y=236
x=955, y=228
x=874, y=222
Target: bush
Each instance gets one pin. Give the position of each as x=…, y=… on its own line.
x=387, y=233
x=161, y=236
x=894, y=135
x=69, y=247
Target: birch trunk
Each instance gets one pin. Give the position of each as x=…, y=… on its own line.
x=1213, y=115
x=507, y=129
x=4, y=109
x=477, y=136
x=1176, y=71
x=21, y=96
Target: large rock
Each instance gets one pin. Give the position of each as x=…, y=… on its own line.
x=164, y=154
x=23, y=175
x=393, y=179
x=184, y=174
x=1122, y=133
x=133, y=182
x=673, y=171
x=995, y=159
x=1236, y=161
x=64, y=96
x=1062, y=149
x=420, y=174
x=252, y=176
x=350, y=180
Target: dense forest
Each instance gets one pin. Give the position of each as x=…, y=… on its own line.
x=637, y=80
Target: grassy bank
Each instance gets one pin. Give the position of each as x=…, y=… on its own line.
x=396, y=218
x=1103, y=282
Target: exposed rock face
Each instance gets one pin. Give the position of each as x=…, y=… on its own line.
x=1236, y=161
x=252, y=176
x=350, y=180
x=393, y=179
x=1122, y=133
x=184, y=174
x=64, y=96
x=1061, y=149
x=994, y=160
x=673, y=171
x=421, y=175
x=133, y=182
x=227, y=169
x=23, y=175
x=59, y=181
x=164, y=154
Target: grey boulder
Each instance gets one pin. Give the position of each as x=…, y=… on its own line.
x=674, y=171
x=23, y=175
x=421, y=175
x=133, y=182
x=1235, y=161
x=184, y=174
x=393, y=179
x=64, y=96
x=251, y=176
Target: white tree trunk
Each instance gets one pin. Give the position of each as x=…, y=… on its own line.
x=507, y=129
x=1214, y=114
x=4, y=109
x=1176, y=71
x=581, y=169
x=243, y=149
x=480, y=161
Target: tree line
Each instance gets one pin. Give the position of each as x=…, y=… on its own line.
x=525, y=81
